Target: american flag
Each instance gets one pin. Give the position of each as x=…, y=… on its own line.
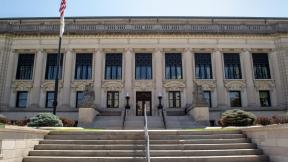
x=61, y=10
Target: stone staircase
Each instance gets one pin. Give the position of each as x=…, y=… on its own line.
x=128, y=146
x=182, y=122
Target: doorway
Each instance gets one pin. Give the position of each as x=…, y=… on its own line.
x=142, y=99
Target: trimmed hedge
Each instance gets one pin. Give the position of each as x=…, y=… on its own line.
x=237, y=117
x=45, y=120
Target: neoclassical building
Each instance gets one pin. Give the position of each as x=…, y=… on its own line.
x=238, y=62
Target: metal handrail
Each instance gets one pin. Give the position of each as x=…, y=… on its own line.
x=163, y=118
x=147, y=139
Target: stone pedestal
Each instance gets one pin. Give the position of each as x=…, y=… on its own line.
x=87, y=116
x=200, y=114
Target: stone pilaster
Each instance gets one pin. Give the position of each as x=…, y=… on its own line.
x=98, y=73
x=158, y=64
x=188, y=58
x=37, y=78
x=128, y=60
x=248, y=74
x=219, y=75
x=67, y=76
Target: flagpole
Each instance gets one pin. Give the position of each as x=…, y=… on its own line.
x=62, y=26
x=55, y=103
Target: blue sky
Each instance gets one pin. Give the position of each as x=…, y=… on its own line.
x=49, y=8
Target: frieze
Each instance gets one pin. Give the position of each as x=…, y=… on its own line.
x=22, y=85
x=143, y=85
x=89, y=28
x=238, y=85
x=264, y=84
x=174, y=85
x=80, y=85
x=112, y=85
x=207, y=85
x=50, y=85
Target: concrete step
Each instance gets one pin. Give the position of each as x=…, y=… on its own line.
x=238, y=158
x=99, y=142
x=152, y=146
x=139, y=153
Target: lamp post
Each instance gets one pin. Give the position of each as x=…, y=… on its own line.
x=160, y=104
x=127, y=102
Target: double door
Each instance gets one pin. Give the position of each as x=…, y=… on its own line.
x=143, y=99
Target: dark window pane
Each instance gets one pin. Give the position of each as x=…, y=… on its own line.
x=265, y=98
x=174, y=98
x=207, y=96
x=113, y=66
x=173, y=64
x=79, y=98
x=235, y=98
x=143, y=66
x=25, y=67
x=232, y=66
x=83, y=68
x=51, y=66
x=261, y=66
x=112, y=99
x=21, y=100
x=203, y=66
x=49, y=99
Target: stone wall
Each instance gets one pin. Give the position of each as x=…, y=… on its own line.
x=16, y=142
x=272, y=139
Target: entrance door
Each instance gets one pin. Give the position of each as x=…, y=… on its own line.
x=142, y=99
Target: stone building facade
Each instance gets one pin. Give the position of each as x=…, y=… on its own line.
x=238, y=62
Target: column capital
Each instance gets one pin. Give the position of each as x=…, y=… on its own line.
x=217, y=50
x=98, y=50
x=246, y=50
x=40, y=50
x=190, y=50
x=161, y=50
x=128, y=49
x=68, y=50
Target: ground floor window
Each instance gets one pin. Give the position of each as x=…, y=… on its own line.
x=79, y=98
x=49, y=99
x=21, y=100
x=174, y=99
x=207, y=96
x=235, y=98
x=264, y=98
x=112, y=99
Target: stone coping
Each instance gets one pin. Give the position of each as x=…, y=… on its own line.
x=266, y=128
x=17, y=129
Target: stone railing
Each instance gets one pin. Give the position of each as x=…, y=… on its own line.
x=145, y=28
x=272, y=139
x=16, y=142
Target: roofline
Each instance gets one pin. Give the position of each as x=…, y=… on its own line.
x=147, y=17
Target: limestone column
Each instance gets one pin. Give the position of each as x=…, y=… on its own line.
x=38, y=69
x=158, y=76
x=128, y=60
x=219, y=75
x=276, y=94
x=98, y=66
x=188, y=57
x=248, y=74
x=9, y=78
x=67, y=76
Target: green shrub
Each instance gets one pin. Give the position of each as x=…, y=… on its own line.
x=263, y=120
x=45, y=120
x=279, y=119
x=237, y=117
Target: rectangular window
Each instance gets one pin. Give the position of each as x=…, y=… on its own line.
x=174, y=99
x=203, y=66
x=49, y=99
x=25, y=67
x=21, y=100
x=261, y=66
x=232, y=66
x=143, y=66
x=112, y=99
x=83, y=68
x=265, y=98
x=79, y=98
x=235, y=98
x=113, y=66
x=207, y=96
x=51, y=66
x=173, y=64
